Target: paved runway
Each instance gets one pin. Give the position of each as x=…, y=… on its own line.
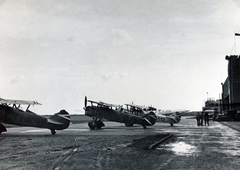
x=196, y=147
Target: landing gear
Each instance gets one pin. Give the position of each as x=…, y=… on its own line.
x=96, y=124
x=128, y=124
x=53, y=131
x=171, y=124
x=91, y=125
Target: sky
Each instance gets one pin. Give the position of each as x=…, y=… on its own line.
x=168, y=54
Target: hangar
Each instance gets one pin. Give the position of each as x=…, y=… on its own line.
x=230, y=102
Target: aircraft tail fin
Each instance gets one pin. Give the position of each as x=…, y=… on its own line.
x=61, y=120
x=176, y=116
x=150, y=118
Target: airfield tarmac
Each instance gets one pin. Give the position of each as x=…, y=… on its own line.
x=187, y=146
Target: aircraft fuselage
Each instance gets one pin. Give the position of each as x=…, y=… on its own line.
x=19, y=117
x=113, y=115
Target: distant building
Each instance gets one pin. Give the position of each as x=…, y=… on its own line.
x=225, y=96
x=212, y=104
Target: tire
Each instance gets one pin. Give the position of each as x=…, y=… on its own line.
x=91, y=125
x=129, y=124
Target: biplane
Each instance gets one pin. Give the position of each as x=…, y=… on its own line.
x=100, y=110
x=171, y=117
x=12, y=113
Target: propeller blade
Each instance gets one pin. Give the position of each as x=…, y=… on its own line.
x=85, y=101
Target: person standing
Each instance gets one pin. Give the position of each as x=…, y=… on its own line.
x=201, y=117
x=206, y=118
x=198, y=118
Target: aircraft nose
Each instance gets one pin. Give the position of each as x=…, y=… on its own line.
x=87, y=111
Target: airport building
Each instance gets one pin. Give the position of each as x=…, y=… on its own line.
x=212, y=104
x=231, y=86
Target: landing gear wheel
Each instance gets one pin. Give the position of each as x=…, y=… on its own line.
x=53, y=131
x=128, y=124
x=99, y=124
x=171, y=124
x=95, y=124
x=91, y=125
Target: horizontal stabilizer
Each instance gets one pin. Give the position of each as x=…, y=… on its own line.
x=65, y=116
x=54, y=122
x=148, y=121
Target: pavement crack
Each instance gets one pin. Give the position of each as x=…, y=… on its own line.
x=68, y=154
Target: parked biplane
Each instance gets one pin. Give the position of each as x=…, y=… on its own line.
x=11, y=113
x=100, y=110
x=170, y=117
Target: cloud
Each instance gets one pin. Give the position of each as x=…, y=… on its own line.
x=2, y=2
x=114, y=76
x=15, y=80
x=119, y=36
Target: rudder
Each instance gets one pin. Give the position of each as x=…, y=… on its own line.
x=150, y=118
x=63, y=118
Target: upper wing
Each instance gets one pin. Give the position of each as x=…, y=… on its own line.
x=167, y=113
x=109, y=105
x=104, y=104
x=21, y=102
x=144, y=108
x=91, y=101
x=136, y=106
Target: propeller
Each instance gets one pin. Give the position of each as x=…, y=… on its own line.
x=85, y=102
